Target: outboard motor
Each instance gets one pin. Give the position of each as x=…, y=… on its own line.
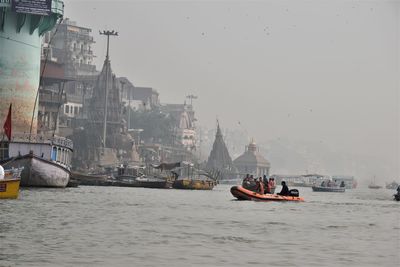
x=294, y=193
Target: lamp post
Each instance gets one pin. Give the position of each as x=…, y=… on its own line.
x=107, y=62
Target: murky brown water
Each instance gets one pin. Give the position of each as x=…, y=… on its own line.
x=110, y=226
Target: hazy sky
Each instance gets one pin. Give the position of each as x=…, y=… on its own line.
x=301, y=70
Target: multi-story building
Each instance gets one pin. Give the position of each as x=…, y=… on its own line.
x=70, y=45
x=138, y=98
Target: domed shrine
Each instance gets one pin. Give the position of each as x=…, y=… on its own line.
x=252, y=162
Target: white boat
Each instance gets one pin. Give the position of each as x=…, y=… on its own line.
x=46, y=161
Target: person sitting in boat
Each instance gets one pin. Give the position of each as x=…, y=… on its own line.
x=271, y=183
x=267, y=187
x=260, y=186
x=323, y=184
x=342, y=184
x=246, y=179
x=284, y=190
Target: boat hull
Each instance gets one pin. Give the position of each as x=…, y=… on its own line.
x=9, y=188
x=90, y=179
x=328, y=189
x=243, y=194
x=39, y=172
x=374, y=187
x=193, y=184
x=154, y=182
x=132, y=181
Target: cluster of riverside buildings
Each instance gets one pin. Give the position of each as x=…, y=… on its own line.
x=71, y=104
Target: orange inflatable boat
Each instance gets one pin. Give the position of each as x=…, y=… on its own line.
x=243, y=194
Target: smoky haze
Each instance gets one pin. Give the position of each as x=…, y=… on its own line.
x=321, y=75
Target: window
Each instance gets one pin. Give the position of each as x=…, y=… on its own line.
x=3, y=150
x=76, y=110
x=66, y=109
x=54, y=154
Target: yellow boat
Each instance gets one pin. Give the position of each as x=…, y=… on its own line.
x=193, y=184
x=9, y=186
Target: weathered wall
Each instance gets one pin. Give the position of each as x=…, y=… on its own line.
x=20, y=44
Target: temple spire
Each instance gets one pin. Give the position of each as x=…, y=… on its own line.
x=219, y=157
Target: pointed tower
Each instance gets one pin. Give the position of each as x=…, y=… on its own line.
x=106, y=84
x=219, y=158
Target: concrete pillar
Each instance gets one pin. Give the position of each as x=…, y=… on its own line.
x=20, y=49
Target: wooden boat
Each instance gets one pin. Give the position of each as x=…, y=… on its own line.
x=9, y=186
x=46, y=161
x=154, y=182
x=193, y=184
x=157, y=176
x=90, y=179
x=336, y=189
x=243, y=194
x=39, y=172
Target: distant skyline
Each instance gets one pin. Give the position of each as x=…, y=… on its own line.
x=317, y=71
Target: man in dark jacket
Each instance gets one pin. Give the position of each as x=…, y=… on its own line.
x=285, y=189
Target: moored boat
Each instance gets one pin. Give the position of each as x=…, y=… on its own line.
x=46, y=161
x=90, y=178
x=9, y=185
x=194, y=184
x=242, y=193
x=154, y=182
x=154, y=176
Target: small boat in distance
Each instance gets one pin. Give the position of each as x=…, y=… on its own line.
x=336, y=189
x=330, y=186
x=9, y=185
x=242, y=193
x=373, y=185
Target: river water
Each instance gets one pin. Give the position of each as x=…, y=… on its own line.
x=111, y=226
